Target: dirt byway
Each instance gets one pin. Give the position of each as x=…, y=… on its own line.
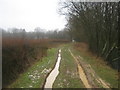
x=87, y=74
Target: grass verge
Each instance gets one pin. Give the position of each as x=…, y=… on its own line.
x=35, y=76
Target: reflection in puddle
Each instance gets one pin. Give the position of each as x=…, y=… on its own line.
x=52, y=76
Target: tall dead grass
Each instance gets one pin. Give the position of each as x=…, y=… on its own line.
x=18, y=54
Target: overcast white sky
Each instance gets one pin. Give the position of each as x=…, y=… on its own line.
x=30, y=14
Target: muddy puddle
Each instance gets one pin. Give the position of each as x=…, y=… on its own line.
x=54, y=73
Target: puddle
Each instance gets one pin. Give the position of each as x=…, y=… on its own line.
x=81, y=72
x=52, y=76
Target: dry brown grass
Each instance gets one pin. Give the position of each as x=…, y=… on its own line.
x=18, y=54
x=8, y=42
x=84, y=48
x=18, y=42
x=81, y=46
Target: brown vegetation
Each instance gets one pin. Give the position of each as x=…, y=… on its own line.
x=84, y=48
x=18, y=54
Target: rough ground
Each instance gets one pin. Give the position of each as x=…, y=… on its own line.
x=88, y=75
x=75, y=72
x=85, y=72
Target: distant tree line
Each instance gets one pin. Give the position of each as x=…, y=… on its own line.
x=38, y=33
x=96, y=23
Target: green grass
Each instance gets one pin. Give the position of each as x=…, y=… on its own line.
x=35, y=76
x=104, y=71
x=68, y=76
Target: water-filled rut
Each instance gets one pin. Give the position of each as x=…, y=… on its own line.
x=54, y=73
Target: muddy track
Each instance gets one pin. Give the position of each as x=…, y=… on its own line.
x=81, y=72
x=87, y=75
